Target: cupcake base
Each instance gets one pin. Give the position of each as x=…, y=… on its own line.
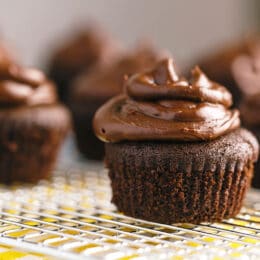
x=180, y=182
x=30, y=139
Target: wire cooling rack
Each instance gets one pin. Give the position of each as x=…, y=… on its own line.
x=71, y=217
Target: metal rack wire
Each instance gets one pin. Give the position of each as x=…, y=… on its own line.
x=71, y=217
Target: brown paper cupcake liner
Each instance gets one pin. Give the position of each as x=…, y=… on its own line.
x=171, y=183
x=30, y=139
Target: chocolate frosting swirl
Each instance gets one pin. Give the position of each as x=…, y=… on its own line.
x=24, y=86
x=160, y=105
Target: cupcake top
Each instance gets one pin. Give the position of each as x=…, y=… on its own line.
x=86, y=48
x=24, y=86
x=160, y=105
x=107, y=81
x=246, y=72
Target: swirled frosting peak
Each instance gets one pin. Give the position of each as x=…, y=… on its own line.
x=161, y=105
x=24, y=86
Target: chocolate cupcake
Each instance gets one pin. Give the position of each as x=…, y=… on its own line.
x=174, y=149
x=85, y=49
x=218, y=65
x=91, y=90
x=246, y=72
x=32, y=124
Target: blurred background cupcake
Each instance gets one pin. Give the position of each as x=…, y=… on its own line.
x=86, y=48
x=246, y=72
x=33, y=125
x=219, y=63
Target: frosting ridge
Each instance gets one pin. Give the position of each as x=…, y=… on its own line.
x=24, y=86
x=160, y=105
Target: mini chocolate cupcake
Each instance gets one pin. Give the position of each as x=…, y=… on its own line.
x=84, y=50
x=218, y=65
x=246, y=72
x=91, y=90
x=32, y=124
x=174, y=149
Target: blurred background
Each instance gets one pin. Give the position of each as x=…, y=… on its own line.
x=187, y=28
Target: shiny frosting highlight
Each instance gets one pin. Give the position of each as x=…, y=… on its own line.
x=160, y=105
x=24, y=86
